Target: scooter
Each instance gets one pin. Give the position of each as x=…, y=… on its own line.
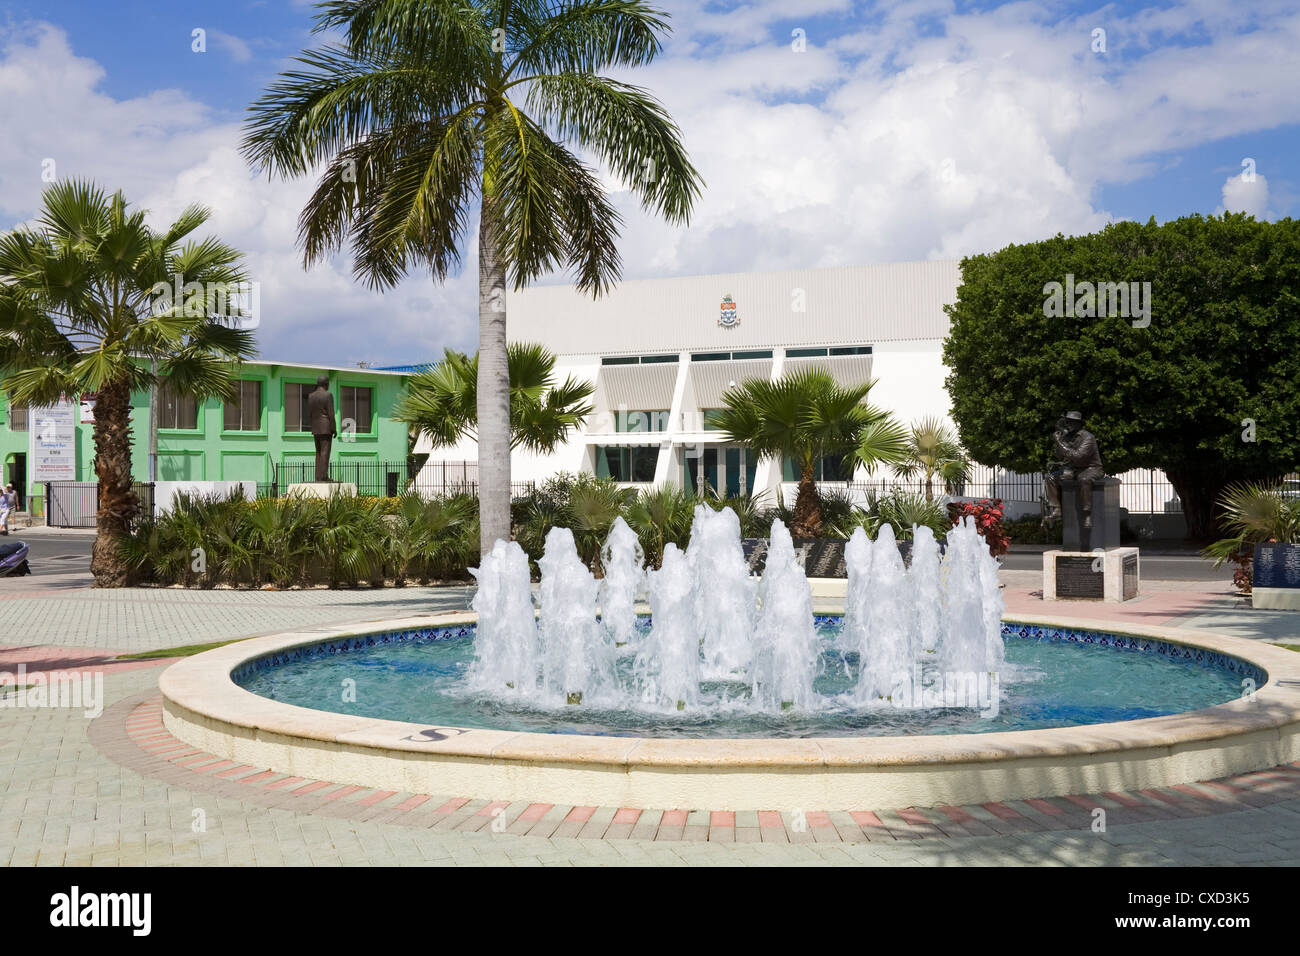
x=13, y=559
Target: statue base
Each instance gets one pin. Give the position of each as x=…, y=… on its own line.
x=321, y=489
x=1104, y=532
x=1111, y=576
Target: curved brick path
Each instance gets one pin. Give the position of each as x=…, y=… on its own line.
x=140, y=722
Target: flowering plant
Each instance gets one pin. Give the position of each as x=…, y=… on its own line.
x=987, y=515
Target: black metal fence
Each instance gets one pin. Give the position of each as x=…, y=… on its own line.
x=75, y=504
x=373, y=478
x=1143, y=491
x=389, y=478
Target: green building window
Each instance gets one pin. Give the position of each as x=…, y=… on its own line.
x=176, y=410
x=17, y=416
x=626, y=464
x=711, y=419
x=355, y=404
x=653, y=421
x=295, y=406
x=245, y=414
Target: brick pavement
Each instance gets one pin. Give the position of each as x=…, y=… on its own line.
x=79, y=791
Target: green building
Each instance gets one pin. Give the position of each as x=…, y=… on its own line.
x=263, y=436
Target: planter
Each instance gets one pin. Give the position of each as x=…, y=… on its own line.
x=1276, y=576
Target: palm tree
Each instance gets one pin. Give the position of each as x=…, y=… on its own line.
x=806, y=416
x=442, y=402
x=429, y=105
x=83, y=309
x=933, y=450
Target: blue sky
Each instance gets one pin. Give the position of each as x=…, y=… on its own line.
x=911, y=130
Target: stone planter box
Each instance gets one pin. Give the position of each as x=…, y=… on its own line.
x=1276, y=577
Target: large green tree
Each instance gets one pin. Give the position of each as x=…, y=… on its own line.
x=87, y=304
x=1206, y=386
x=806, y=416
x=430, y=107
x=441, y=402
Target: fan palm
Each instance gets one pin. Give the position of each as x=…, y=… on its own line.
x=806, y=416
x=1253, y=513
x=933, y=451
x=442, y=402
x=81, y=311
x=429, y=105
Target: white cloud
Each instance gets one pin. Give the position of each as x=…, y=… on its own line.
x=232, y=46
x=904, y=133
x=1248, y=193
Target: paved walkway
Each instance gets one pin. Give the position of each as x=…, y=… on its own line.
x=116, y=789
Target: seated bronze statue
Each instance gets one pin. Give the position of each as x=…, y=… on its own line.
x=1079, y=460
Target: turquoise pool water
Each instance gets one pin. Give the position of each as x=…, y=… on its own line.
x=1048, y=682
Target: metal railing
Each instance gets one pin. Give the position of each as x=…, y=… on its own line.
x=1143, y=491
x=75, y=504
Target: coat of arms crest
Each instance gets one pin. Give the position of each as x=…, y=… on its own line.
x=728, y=319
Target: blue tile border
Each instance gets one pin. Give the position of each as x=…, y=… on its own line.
x=1010, y=629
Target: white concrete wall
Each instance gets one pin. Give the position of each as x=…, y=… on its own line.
x=165, y=492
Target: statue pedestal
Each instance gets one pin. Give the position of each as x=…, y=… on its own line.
x=1111, y=576
x=321, y=489
x=1104, y=532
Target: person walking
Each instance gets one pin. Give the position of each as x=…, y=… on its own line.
x=8, y=502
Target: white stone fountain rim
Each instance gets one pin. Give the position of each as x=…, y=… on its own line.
x=200, y=692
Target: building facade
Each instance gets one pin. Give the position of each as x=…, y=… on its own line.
x=661, y=353
x=261, y=434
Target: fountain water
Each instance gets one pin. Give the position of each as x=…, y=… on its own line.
x=724, y=593
x=710, y=649
x=622, y=558
x=926, y=594
x=668, y=668
x=786, y=645
x=888, y=643
x=575, y=651
x=506, y=640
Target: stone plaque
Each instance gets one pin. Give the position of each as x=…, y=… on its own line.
x=1075, y=578
x=1130, y=577
x=1277, y=565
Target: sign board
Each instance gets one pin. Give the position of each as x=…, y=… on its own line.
x=53, y=443
x=88, y=408
x=1277, y=565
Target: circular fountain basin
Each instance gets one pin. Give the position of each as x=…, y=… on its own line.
x=1086, y=741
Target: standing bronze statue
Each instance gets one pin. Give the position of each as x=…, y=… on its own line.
x=320, y=414
x=1079, y=460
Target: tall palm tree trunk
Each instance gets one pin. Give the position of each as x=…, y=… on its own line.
x=493, y=383
x=117, y=501
x=807, y=521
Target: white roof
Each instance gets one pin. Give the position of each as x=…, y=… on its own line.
x=840, y=306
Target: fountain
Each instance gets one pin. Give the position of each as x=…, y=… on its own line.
x=622, y=559
x=724, y=593
x=786, y=651
x=720, y=642
x=785, y=711
x=575, y=651
x=668, y=669
x=507, y=633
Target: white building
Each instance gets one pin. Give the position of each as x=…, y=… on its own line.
x=661, y=353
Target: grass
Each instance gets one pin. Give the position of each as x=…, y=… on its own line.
x=186, y=650
x=1290, y=647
